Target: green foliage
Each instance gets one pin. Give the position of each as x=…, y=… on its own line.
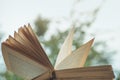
x=10, y=76
x=1, y=35
x=54, y=43
x=52, y=46
x=118, y=77
x=96, y=56
x=117, y=74
x=56, y=40
x=41, y=26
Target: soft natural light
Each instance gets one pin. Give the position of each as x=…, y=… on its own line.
x=14, y=13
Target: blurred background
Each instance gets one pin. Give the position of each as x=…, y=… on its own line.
x=52, y=19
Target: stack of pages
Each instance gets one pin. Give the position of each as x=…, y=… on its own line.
x=24, y=56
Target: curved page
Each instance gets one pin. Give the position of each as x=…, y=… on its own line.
x=77, y=58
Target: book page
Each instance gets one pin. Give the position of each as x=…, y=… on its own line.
x=40, y=49
x=28, y=46
x=24, y=50
x=25, y=40
x=66, y=48
x=21, y=65
x=77, y=58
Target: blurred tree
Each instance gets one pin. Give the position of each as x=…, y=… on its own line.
x=52, y=46
x=55, y=41
x=118, y=75
x=1, y=35
x=10, y=76
x=41, y=26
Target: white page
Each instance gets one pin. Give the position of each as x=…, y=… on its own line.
x=66, y=48
x=77, y=58
x=21, y=65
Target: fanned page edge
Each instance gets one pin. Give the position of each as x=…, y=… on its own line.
x=77, y=58
x=39, y=46
x=26, y=34
x=6, y=49
x=66, y=48
x=27, y=44
x=6, y=58
x=16, y=45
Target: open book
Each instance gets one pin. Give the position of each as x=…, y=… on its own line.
x=25, y=57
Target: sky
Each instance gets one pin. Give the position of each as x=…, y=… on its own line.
x=16, y=13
